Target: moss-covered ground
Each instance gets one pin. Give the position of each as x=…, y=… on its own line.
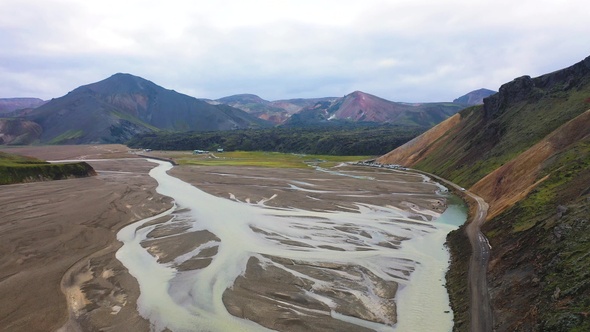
x=542, y=247
x=17, y=169
x=260, y=159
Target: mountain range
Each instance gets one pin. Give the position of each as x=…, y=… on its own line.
x=363, y=107
x=277, y=112
x=117, y=108
x=357, y=106
x=8, y=105
x=526, y=151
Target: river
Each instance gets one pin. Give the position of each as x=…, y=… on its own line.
x=374, y=267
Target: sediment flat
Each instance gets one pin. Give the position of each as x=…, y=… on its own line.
x=67, y=229
x=58, y=269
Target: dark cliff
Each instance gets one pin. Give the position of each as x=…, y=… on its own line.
x=526, y=88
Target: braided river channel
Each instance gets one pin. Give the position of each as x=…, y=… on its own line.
x=357, y=249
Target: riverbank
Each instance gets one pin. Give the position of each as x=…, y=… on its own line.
x=60, y=236
x=457, y=281
x=328, y=226
x=68, y=227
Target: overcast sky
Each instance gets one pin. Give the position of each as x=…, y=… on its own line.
x=401, y=50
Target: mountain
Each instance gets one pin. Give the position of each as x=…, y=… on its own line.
x=354, y=107
x=276, y=112
x=123, y=105
x=526, y=151
x=19, y=132
x=256, y=106
x=474, y=97
x=363, y=107
x=13, y=104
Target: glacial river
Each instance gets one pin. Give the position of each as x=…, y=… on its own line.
x=374, y=267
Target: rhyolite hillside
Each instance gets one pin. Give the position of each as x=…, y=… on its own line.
x=357, y=106
x=17, y=131
x=363, y=107
x=526, y=151
x=276, y=112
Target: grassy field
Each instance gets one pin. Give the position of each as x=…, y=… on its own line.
x=9, y=159
x=16, y=169
x=258, y=159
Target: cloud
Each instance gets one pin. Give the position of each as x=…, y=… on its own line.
x=400, y=50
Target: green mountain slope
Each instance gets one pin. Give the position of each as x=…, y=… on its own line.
x=526, y=151
x=522, y=113
x=539, y=275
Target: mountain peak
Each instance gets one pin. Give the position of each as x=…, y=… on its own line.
x=359, y=93
x=244, y=98
x=474, y=97
x=121, y=83
x=124, y=77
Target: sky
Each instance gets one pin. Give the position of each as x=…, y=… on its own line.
x=400, y=50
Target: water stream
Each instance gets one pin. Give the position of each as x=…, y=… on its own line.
x=360, y=254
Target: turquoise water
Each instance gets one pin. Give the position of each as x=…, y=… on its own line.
x=456, y=212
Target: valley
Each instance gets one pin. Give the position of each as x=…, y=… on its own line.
x=294, y=166
x=341, y=225
x=520, y=156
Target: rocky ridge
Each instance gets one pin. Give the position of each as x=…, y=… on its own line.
x=527, y=152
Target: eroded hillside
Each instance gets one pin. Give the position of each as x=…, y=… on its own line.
x=524, y=112
x=527, y=152
x=514, y=180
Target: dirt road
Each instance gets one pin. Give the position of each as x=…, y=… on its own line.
x=481, y=312
x=480, y=309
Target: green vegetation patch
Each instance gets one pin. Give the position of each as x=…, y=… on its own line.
x=17, y=169
x=457, y=281
x=568, y=176
x=9, y=159
x=132, y=119
x=350, y=140
x=545, y=241
x=484, y=143
x=263, y=159
x=66, y=136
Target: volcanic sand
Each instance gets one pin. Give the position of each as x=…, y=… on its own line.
x=59, y=237
x=66, y=229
